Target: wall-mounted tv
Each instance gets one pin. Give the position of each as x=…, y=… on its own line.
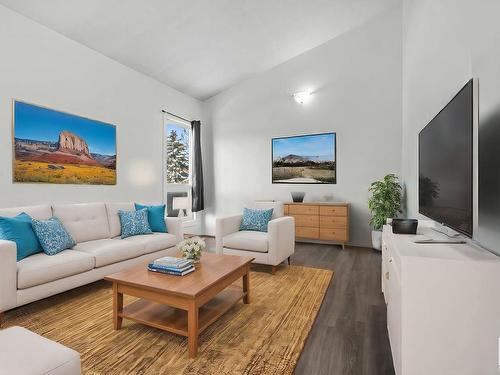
x=304, y=159
x=446, y=164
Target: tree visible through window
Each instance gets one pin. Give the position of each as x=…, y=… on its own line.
x=177, y=163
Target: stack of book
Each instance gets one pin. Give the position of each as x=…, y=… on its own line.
x=171, y=266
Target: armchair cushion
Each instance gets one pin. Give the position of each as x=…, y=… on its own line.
x=247, y=240
x=256, y=220
x=278, y=207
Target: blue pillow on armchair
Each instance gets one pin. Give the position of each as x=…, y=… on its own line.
x=156, y=217
x=19, y=230
x=52, y=235
x=256, y=220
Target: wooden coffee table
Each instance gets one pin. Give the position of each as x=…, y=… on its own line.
x=184, y=305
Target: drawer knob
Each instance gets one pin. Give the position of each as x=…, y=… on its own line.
x=390, y=260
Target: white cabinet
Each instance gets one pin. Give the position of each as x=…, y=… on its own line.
x=443, y=306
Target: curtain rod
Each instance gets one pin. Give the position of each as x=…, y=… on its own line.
x=173, y=114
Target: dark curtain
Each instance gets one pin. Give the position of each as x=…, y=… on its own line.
x=197, y=173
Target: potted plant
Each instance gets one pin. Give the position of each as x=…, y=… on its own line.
x=191, y=248
x=384, y=203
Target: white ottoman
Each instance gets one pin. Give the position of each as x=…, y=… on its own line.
x=23, y=352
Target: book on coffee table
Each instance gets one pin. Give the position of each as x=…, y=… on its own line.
x=171, y=272
x=172, y=262
x=171, y=266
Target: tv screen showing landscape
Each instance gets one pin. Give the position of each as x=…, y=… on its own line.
x=445, y=164
x=305, y=159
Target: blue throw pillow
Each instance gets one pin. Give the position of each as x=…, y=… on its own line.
x=19, y=230
x=156, y=217
x=52, y=235
x=256, y=220
x=134, y=222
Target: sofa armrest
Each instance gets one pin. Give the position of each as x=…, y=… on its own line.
x=281, y=235
x=224, y=226
x=174, y=226
x=8, y=275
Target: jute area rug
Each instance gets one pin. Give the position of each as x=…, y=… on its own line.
x=264, y=337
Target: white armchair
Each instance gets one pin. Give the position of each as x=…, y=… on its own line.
x=271, y=247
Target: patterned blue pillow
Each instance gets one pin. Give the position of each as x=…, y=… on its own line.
x=134, y=222
x=256, y=220
x=52, y=235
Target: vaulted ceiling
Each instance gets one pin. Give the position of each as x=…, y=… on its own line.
x=200, y=47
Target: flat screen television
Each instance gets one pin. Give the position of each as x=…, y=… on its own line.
x=445, y=150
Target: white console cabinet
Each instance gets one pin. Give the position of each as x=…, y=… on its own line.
x=443, y=306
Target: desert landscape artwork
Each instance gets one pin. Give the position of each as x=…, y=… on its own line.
x=305, y=159
x=61, y=148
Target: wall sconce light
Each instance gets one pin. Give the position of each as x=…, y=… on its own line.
x=302, y=96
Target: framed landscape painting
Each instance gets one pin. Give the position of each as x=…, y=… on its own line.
x=304, y=159
x=60, y=148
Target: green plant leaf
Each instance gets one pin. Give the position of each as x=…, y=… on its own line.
x=385, y=200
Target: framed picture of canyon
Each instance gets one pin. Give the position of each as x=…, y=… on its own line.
x=305, y=159
x=55, y=147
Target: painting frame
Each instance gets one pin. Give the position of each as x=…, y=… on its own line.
x=335, y=179
x=67, y=113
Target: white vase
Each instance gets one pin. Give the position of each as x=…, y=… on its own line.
x=377, y=240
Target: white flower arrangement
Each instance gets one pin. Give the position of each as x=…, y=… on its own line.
x=191, y=248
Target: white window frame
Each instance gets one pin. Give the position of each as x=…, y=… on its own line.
x=171, y=187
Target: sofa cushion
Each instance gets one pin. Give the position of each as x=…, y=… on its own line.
x=84, y=221
x=156, y=217
x=25, y=352
x=109, y=251
x=20, y=230
x=41, y=212
x=247, y=240
x=115, y=228
x=42, y=268
x=134, y=223
x=52, y=235
x=153, y=242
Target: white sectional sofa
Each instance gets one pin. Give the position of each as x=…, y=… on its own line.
x=99, y=251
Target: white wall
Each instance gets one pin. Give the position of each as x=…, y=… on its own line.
x=357, y=82
x=42, y=67
x=447, y=42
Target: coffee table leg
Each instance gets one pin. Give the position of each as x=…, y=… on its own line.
x=246, y=285
x=193, y=329
x=117, y=307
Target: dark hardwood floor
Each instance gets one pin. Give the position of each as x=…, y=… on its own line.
x=349, y=336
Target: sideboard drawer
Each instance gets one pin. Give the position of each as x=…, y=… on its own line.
x=306, y=220
x=329, y=234
x=303, y=210
x=333, y=222
x=307, y=232
x=333, y=210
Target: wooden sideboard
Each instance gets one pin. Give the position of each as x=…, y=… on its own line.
x=320, y=221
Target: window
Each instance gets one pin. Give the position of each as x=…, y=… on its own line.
x=177, y=154
x=177, y=166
